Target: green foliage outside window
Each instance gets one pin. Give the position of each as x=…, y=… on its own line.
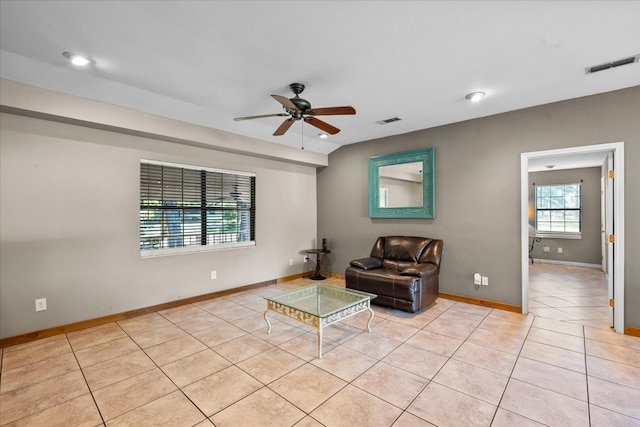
x=558, y=208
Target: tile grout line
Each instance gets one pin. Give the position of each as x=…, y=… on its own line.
x=511, y=376
x=586, y=373
x=510, y=373
x=402, y=410
x=163, y=373
x=93, y=398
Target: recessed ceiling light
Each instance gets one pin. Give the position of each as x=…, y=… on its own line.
x=475, y=96
x=77, y=60
x=323, y=135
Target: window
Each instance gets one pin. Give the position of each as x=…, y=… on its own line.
x=558, y=209
x=185, y=208
x=384, y=197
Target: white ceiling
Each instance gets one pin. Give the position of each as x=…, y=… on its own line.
x=206, y=62
x=569, y=161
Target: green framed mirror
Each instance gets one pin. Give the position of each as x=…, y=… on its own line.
x=402, y=185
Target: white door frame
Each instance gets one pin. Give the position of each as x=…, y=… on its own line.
x=608, y=230
x=618, y=220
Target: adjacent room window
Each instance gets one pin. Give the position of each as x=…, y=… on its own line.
x=558, y=209
x=184, y=208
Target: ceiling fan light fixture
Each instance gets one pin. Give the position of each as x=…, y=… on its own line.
x=475, y=96
x=77, y=60
x=323, y=135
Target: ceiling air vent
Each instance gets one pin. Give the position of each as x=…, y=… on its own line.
x=384, y=122
x=612, y=64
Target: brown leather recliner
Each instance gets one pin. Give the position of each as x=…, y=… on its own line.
x=402, y=271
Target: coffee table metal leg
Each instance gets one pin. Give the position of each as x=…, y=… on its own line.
x=319, y=342
x=370, y=319
x=267, y=320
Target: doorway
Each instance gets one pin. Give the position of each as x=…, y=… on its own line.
x=614, y=207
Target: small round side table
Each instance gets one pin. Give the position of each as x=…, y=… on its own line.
x=317, y=252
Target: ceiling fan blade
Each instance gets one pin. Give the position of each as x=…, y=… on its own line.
x=331, y=130
x=286, y=102
x=283, y=127
x=331, y=111
x=261, y=116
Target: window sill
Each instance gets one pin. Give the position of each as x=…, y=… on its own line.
x=568, y=236
x=153, y=253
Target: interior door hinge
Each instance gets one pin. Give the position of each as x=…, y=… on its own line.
x=612, y=238
x=612, y=174
x=612, y=302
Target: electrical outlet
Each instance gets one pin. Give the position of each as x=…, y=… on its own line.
x=485, y=281
x=477, y=279
x=305, y=259
x=214, y=275
x=41, y=304
x=559, y=250
x=545, y=249
x=290, y=262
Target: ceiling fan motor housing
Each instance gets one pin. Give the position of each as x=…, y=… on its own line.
x=301, y=104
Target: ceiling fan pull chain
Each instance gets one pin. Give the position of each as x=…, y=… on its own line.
x=302, y=133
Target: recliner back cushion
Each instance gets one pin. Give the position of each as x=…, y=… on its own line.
x=400, y=248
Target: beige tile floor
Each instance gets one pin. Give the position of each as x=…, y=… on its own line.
x=572, y=294
x=212, y=363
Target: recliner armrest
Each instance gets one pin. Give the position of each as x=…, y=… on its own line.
x=370, y=263
x=420, y=270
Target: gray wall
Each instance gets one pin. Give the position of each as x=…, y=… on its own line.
x=69, y=218
x=478, y=191
x=588, y=249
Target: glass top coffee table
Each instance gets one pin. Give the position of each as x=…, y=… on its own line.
x=320, y=306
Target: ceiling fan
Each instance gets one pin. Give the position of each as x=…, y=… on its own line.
x=300, y=109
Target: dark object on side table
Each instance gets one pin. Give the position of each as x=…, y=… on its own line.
x=402, y=271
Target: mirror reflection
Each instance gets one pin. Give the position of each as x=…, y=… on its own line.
x=400, y=185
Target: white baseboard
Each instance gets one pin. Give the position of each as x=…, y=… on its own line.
x=575, y=264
